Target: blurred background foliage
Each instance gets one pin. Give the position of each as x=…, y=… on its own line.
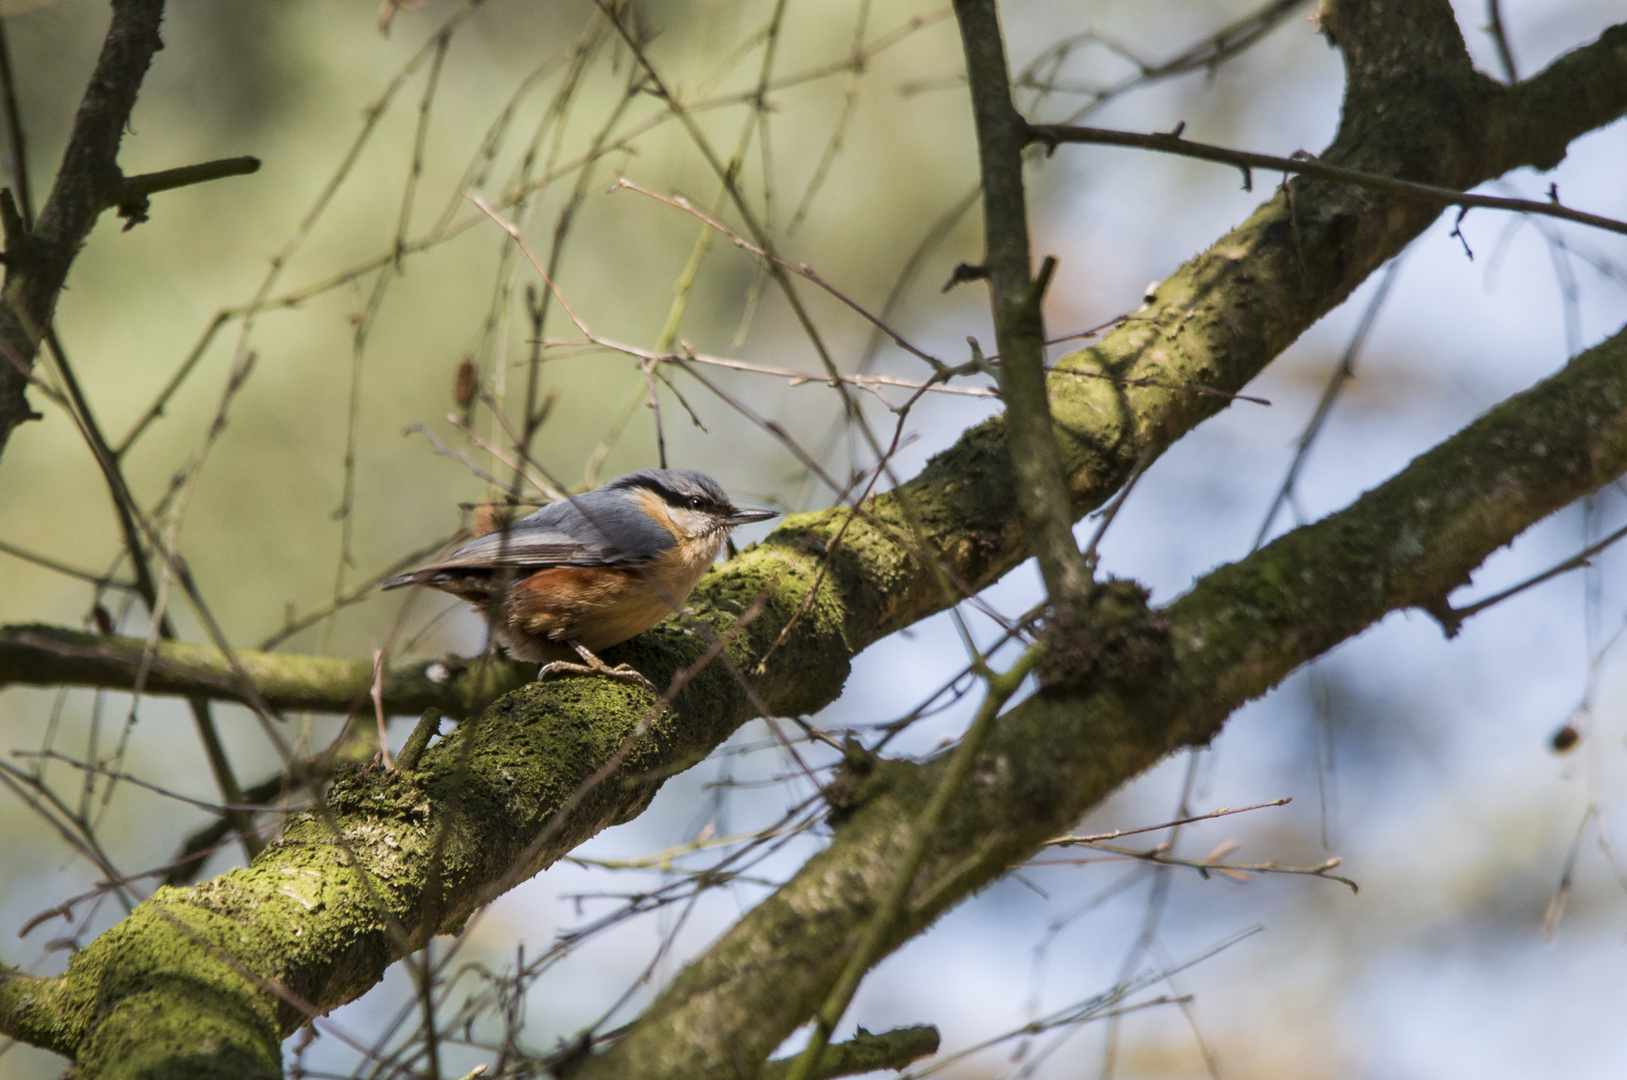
x=1424, y=765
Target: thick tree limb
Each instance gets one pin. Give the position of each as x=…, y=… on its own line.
x=1239, y=631
x=317, y=918
x=54, y=656
x=1217, y=321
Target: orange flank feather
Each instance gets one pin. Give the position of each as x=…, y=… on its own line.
x=597, y=606
x=600, y=606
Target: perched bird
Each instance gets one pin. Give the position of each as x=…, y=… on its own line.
x=593, y=570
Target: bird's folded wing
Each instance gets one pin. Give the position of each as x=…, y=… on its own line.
x=534, y=548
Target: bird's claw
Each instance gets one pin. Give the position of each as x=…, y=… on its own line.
x=620, y=673
x=627, y=673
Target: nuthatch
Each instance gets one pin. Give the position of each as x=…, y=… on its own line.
x=593, y=570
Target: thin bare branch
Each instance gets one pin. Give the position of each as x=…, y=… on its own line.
x=1303, y=164
x=1224, y=811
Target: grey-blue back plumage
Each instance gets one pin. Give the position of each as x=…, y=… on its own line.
x=607, y=526
x=603, y=527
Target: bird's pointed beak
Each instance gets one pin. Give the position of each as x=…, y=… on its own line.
x=746, y=517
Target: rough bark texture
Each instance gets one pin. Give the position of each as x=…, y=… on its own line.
x=205, y=981
x=1235, y=635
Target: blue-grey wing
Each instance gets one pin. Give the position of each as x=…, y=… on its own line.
x=596, y=528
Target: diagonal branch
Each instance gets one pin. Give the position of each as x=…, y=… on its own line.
x=1240, y=630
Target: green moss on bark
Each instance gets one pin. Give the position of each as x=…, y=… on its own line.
x=1235, y=635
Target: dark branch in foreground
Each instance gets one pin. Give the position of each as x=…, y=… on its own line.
x=1016, y=296
x=37, y=261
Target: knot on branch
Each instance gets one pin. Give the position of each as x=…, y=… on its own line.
x=569, y=1057
x=861, y=776
x=1108, y=638
x=133, y=208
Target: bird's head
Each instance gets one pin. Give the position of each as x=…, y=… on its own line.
x=694, y=504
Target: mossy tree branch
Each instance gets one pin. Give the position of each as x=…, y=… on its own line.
x=1239, y=631
x=56, y=656
x=1216, y=322
x=318, y=917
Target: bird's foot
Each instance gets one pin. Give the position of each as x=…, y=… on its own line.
x=592, y=665
x=621, y=673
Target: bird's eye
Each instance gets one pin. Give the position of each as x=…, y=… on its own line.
x=694, y=502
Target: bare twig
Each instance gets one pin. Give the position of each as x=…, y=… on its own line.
x=293, y=625
x=1103, y=1006
x=793, y=378
x=1304, y=164
x=1224, y=811
x=1451, y=619
x=104, y=581
x=132, y=193
x=1343, y=371
x=251, y=806
x=800, y=269
x=1213, y=864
